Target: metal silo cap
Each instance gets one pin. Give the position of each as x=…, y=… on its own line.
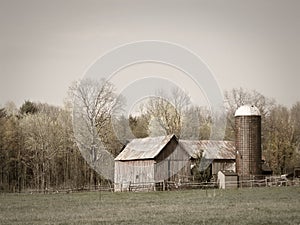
x=247, y=110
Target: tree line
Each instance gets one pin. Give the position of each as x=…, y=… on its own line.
x=39, y=150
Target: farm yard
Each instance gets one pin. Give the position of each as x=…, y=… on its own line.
x=151, y=131
x=273, y=205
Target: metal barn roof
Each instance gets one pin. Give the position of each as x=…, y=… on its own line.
x=144, y=148
x=150, y=147
x=211, y=149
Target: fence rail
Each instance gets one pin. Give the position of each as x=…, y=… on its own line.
x=170, y=185
x=67, y=190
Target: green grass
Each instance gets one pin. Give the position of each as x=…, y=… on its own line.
x=240, y=206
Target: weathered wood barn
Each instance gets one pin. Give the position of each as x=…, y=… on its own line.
x=153, y=160
x=150, y=160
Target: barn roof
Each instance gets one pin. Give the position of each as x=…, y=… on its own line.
x=211, y=149
x=150, y=147
x=144, y=148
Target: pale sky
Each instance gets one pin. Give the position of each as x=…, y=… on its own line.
x=45, y=45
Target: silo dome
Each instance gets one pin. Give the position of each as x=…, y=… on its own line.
x=247, y=110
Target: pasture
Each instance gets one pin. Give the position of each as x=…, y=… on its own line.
x=276, y=205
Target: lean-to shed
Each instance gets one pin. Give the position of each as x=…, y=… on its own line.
x=219, y=155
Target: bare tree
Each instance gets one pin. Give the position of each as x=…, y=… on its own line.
x=41, y=141
x=197, y=123
x=168, y=111
x=95, y=102
x=238, y=97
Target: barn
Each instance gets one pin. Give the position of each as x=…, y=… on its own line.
x=149, y=161
x=153, y=160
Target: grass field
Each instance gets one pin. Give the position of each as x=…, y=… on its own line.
x=279, y=205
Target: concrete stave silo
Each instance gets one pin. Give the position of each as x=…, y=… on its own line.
x=248, y=142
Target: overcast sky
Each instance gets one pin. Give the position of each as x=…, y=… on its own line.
x=45, y=45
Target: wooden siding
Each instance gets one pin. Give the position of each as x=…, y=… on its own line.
x=227, y=180
x=135, y=171
x=172, y=164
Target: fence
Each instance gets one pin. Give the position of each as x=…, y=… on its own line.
x=169, y=186
x=271, y=181
x=90, y=188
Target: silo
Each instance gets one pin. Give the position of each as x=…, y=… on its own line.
x=248, y=142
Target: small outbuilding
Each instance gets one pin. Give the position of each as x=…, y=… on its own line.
x=227, y=179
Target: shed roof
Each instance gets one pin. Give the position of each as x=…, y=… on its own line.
x=144, y=148
x=212, y=149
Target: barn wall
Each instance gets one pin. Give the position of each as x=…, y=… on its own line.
x=172, y=164
x=135, y=171
x=167, y=150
